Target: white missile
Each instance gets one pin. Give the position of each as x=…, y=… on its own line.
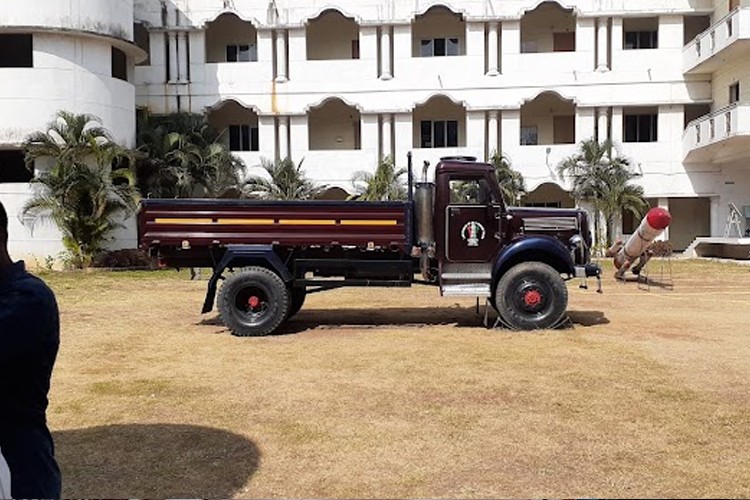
x=653, y=224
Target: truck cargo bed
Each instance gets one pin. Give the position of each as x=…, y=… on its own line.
x=207, y=222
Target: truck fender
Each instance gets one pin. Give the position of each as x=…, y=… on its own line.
x=534, y=248
x=242, y=256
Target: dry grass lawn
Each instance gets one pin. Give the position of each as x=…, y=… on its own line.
x=400, y=393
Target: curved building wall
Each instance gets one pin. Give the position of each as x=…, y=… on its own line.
x=71, y=70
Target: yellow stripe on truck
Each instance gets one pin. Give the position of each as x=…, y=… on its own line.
x=307, y=222
x=369, y=222
x=246, y=222
x=183, y=221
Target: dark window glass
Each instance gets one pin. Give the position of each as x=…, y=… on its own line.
x=231, y=53
x=438, y=134
x=734, y=93
x=119, y=64
x=452, y=47
x=13, y=168
x=244, y=53
x=355, y=49
x=452, y=132
x=16, y=51
x=439, y=46
x=235, y=143
x=254, y=142
x=641, y=40
x=640, y=128
x=426, y=48
x=425, y=134
x=243, y=138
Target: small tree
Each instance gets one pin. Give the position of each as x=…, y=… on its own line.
x=511, y=181
x=384, y=185
x=286, y=181
x=87, y=187
x=181, y=156
x=602, y=178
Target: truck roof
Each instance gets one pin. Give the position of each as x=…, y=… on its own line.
x=461, y=164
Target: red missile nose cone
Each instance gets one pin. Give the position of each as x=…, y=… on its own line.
x=658, y=218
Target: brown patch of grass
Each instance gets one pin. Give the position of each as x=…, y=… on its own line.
x=397, y=393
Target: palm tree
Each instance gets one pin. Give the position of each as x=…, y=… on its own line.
x=602, y=178
x=512, y=185
x=286, y=181
x=182, y=157
x=88, y=187
x=384, y=185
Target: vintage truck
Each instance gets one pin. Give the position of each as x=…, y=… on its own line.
x=455, y=233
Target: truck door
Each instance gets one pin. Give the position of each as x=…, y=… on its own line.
x=470, y=221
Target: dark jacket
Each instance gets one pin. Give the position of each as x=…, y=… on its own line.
x=29, y=339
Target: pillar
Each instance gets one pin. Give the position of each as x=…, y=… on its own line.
x=601, y=121
x=281, y=72
x=664, y=203
x=173, y=68
x=386, y=134
x=283, y=137
x=386, y=70
x=492, y=45
x=182, y=57
x=602, y=47
x=492, y=134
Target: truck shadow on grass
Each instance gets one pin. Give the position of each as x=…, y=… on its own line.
x=409, y=317
x=154, y=461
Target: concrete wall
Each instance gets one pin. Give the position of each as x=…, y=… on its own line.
x=539, y=25
x=334, y=126
x=330, y=36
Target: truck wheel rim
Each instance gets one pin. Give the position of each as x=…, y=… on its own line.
x=531, y=297
x=252, y=303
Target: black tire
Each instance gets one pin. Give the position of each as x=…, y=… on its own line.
x=297, y=296
x=253, y=302
x=531, y=296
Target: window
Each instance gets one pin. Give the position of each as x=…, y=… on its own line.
x=641, y=40
x=13, y=167
x=242, y=53
x=542, y=204
x=564, y=42
x=640, y=128
x=470, y=192
x=529, y=136
x=243, y=138
x=16, y=51
x=439, y=47
x=734, y=93
x=119, y=64
x=355, y=49
x=439, y=134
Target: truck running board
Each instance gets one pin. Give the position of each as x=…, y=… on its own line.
x=466, y=290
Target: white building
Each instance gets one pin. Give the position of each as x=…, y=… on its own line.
x=343, y=83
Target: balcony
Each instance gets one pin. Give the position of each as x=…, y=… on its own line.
x=728, y=39
x=718, y=137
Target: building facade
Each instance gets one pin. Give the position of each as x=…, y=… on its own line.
x=343, y=84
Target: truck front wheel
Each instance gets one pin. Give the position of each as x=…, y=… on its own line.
x=531, y=296
x=253, y=302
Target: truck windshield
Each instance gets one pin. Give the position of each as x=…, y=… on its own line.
x=470, y=192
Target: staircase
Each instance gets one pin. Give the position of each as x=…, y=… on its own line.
x=466, y=280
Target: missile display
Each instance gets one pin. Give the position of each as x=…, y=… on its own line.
x=653, y=224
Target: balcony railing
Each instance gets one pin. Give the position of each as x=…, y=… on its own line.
x=698, y=55
x=717, y=127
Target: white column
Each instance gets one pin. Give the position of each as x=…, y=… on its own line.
x=182, y=57
x=511, y=46
x=510, y=130
x=386, y=133
x=717, y=228
x=664, y=203
x=616, y=41
x=281, y=74
x=173, y=72
x=492, y=50
x=602, y=46
x=283, y=137
x=386, y=72
x=602, y=124
x=492, y=134
x=617, y=124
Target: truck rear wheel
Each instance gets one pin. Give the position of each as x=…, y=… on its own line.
x=253, y=302
x=297, y=296
x=531, y=296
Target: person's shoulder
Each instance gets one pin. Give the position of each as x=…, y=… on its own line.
x=30, y=287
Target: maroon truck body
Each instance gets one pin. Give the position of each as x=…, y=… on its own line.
x=456, y=232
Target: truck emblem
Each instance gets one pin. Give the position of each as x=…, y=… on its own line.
x=472, y=232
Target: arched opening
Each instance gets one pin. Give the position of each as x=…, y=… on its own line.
x=438, y=32
x=439, y=123
x=333, y=194
x=332, y=36
x=548, y=28
x=548, y=194
x=548, y=119
x=230, y=39
x=237, y=125
x=334, y=125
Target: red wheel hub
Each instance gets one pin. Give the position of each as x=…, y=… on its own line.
x=532, y=298
x=253, y=301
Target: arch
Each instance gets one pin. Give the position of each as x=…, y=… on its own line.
x=437, y=5
x=562, y=5
x=223, y=101
x=548, y=193
x=559, y=95
x=439, y=122
x=548, y=119
x=332, y=36
x=327, y=99
x=237, y=125
x=334, y=193
x=329, y=9
x=439, y=95
x=334, y=125
x=548, y=27
x=248, y=19
x=229, y=38
x=438, y=31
